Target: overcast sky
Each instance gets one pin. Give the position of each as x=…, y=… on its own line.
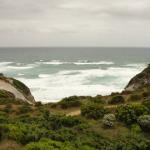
x=74, y=22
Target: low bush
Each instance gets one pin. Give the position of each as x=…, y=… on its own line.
x=135, y=128
x=144, y=122
x=129, y=113
x=47, y=144
x=24, y=109
x=108, y=120
x=21, y=86
x=146, y=103
x=93, y=111
x=134, y=97
x=67, y=102
x=57, y=121
x=6, y=94
x=146, y=94
x=97, y=99
x=116, y=100
x=4, y=101
x=8, y=108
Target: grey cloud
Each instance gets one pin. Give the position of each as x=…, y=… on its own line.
x=74, y=22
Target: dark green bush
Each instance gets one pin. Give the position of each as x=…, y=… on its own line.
x=8, y=108
x=97, y=99
x=134, y=97
x=132, y=142
x=38, y=104
x=58, y=121
x=67, y=102
x=129, y=113
x=146, y=103
x=47, y=144
x=116, y=100
x=6, y=94
x=93, y=111
x=25, y=109
x=136, y=129
x=21, y=86
x=146, y=94
x=4, y=101
x=144, y=122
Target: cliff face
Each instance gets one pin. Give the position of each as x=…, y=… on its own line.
x=17, y=88
x=141, y=80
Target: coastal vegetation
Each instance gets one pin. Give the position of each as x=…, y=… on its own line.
x=120, y=121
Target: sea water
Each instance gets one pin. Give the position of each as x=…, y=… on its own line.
x=55, y=73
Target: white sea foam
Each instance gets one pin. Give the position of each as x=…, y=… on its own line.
x=5, y=63
x=20, y=67
x=20, y=74
x=53, y=87
x=3, y=66
x=79, y=62
x=141, y=65
x=10, y=66
x=94, y=63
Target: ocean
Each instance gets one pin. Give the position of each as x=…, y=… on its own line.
x=55, y=73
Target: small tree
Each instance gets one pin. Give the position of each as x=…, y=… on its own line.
x=93, y=111
x=116, y=100
x=147, y=103
x=129, y=113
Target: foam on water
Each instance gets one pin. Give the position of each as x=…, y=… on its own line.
x=79, y=62
x=53, y=87
x=80, y=77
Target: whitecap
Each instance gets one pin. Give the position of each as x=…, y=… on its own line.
x=93, y=63
x=54, y=87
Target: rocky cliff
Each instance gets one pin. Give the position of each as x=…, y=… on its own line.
x=141, y=80
x=13, y=88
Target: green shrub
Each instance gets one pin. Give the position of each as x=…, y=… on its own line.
x=93, y=111
x=108, y=120
x=116, y=100
x=135, y=128
x=8, y=108
x=4, y=101
x=63, y=134
x=146, y=94
x=97, y=99
x=144, y=122
x=21, y=86
x=146, y=103
x=38, y=104
x=24, y=133
x=67, y=102
x=6, y=94
x=115, y=93
x=24, y=109
x=134, y=97
x=129, y=113
x=132, y=142
x=58, y=121
x=47, y=144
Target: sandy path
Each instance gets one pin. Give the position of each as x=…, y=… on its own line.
x=8, y=87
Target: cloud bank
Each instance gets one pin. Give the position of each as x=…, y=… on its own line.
x=74, y=23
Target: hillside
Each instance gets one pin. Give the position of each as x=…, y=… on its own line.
x=141, y=80
x=16, y=88
x=120, y=121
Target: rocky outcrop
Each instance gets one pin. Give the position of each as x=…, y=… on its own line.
x=17, y=88
x=141, y=80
